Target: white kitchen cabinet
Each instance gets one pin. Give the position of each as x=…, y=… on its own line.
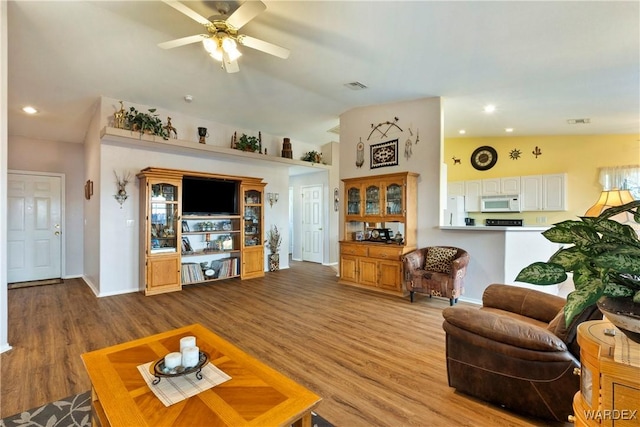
x=455, y=188
x=501, y=186
x=554, y=192
x=544, y=193
x=472, y=193
x=531, y=195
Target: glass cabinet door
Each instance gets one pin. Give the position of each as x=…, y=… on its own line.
x=252, y=218
x=164, y=218
x=353, y=201
x=372, y=200
x=393, y=199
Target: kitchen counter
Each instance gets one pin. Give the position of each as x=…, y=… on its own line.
x=492, y=228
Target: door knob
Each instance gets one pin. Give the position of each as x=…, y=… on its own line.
x=57, y=233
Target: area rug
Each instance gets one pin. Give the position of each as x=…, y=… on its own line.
x=18, y=285
x=75, y=411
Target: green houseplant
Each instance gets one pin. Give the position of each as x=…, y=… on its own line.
x=145, y=122
x=248, y=143
x=604, y=259
x=313, y=157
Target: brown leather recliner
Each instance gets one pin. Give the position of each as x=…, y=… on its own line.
x=516, y=351
x=436, y=271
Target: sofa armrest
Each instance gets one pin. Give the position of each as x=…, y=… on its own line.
x=526, y=302
x=504, y=329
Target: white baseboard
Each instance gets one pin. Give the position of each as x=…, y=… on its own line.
x=471, y=301
x=5, y=347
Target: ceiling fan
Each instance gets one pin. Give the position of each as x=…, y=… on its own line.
x=222, y=39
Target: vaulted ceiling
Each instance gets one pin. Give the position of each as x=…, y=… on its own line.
x=539, y=63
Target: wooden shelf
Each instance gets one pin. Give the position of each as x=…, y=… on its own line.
x=128, y=138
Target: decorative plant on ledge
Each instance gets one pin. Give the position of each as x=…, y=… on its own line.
x=313, y=157
x=604, y=259
x=145, y=122
x=248, y=143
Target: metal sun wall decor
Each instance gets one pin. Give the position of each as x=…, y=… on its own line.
x=384, y=154
x=515, y=154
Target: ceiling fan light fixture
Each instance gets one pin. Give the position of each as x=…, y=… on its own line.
x=217, y=54
x=209, y=45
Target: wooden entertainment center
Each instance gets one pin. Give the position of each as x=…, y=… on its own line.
x=177, y=249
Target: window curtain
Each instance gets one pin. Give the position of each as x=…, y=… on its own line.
x=621, y=177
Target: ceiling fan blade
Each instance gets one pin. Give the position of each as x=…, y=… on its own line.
x=183, y=41
x=230, y=66
x=187, y=11
x=245, y=13
x=263, y=46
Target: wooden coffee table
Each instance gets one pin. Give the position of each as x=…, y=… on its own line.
x=256, y=395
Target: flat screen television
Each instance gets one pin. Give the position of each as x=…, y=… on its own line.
x=208, y=196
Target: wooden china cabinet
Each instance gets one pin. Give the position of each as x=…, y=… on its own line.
x=160, y=210
x=380, y=226
x=253, y=230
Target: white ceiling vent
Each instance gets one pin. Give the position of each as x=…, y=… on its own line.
x=335, y=130
x=579, y=121
x=355, y=85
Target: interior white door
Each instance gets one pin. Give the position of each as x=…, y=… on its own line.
x=312, y=234
x=34, y=227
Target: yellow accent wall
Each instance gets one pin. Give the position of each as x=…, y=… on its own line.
x=580, y=156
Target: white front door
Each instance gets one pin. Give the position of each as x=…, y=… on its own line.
x=312, y=234
x=34, y=227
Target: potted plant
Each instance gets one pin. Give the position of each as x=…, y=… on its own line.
x=145, y=122
x=313, y=157
x=605, y=261
x=273, y=243
x=248, y=143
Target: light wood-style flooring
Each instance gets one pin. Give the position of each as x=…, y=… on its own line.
x=376, y=360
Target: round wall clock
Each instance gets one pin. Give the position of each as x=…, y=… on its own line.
x=484, y=158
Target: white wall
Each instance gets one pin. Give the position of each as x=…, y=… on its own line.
x=4, y=315
x=64, y=158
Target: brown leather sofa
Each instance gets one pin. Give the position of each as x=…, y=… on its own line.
x=515, y=351
x=433, y=272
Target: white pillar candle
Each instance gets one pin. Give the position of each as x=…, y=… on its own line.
x=187, y=342
x=172, y=360
x=190, y=356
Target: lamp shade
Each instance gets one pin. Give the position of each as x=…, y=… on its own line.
x=608, y=199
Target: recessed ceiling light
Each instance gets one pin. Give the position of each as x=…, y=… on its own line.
x=490, y=108
x=462, y=131
x=508, y=130
x=29, y=109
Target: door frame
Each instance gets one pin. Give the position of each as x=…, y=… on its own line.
x=322, y=220
x=63, y=228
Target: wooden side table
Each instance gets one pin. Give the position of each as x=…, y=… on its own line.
x=609, y=391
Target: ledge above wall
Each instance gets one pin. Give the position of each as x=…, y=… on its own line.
x=127, y=138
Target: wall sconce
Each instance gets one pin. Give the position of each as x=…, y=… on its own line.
x=272, y=198
x=122, y=195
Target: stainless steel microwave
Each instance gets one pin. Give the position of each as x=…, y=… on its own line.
x=500, y=203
